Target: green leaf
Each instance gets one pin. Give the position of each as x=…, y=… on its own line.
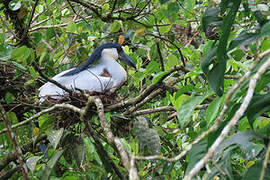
x=263, y=82
x=225, y=164
x=216, y=78
x=9, y=98
x=158, y=76
x=254, y=172
x=265, y=29
x=12, y=117
x=2, y=38
x=184, y=89
x=37, y=36
x=43, y=56
x=54, y=137
x=72, y=27
x=195, y=154
x=33, y=72
x=173, y=7
x=50, y=33
x=211, y=18
x=20, y=66
x=20, y=53
x=190, y=4
x=243, y=39
x=32, y=162
x=115, y=27
x=14, y=5
x=50, y=166
x=105, y=7
x=91, y=151
x=265, y=44
x=208, y=60
x=185, y=110
x=258, y=105
x=213, y=110
x=165, y=29
x=172, y=61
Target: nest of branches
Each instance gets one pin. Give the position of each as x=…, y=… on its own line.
x=66, y=118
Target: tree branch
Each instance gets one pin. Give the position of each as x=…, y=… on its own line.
x=12, y=137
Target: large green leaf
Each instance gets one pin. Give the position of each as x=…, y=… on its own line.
x=265, y=29
x=196, y=154
x=51, y=164
x=216, y=78
x=54, y=136
x=242, y=140
x=21, y=53
x=219, y=69
x=211, y=18
x=72, y=27
x=185, y=110
x=215, y=74
x=208, y=59
x=115, y=27
x=213, y=110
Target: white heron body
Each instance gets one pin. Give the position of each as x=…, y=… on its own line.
x=105, y=76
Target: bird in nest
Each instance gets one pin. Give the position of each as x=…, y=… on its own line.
x=100, y=73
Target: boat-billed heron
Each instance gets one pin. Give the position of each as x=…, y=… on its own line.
x=100, y=73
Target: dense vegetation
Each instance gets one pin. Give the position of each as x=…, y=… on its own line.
x=197, y=106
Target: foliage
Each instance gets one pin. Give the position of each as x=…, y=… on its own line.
x=194, y=59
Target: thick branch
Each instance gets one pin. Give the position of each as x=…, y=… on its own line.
x=106, y=128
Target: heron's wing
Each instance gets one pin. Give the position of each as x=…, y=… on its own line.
x=85, y=80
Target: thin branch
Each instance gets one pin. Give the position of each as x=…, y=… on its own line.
x=160, y=56
x=145, y=100
x=12, y=137
x=34, y=28
x=69, y=3
x=172, y=43
x=150, y=111
x=107, y=17
x=113, y=7
x=56, y=106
